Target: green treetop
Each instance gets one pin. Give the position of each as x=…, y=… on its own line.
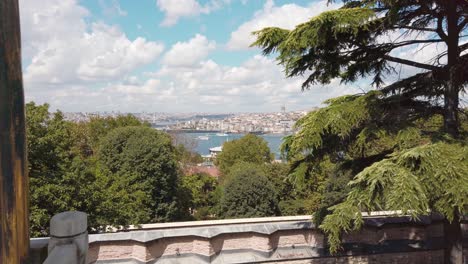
x=65, y=175
x=249, y=148
x=350, y=43
x=147, y=157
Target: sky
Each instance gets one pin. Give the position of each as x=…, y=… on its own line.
x=163, y=56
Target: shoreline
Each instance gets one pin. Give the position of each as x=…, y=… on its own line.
x=193, y=131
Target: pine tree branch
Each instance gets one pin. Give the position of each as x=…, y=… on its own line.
x=390, y=46
x=440, y=30
x=412, y=42
x=412, y=63
x=407, y=82
x=415, y=28
x=463, y=47
x=462, y=25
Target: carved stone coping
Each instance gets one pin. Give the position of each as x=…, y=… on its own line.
x=206, y=230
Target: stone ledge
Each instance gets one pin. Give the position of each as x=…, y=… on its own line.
x=202, y=231
x=266, y=226
x=264, y=240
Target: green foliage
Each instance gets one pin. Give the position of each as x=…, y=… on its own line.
x=243, y=167
x=348, y=43
x=185, y=148
x=248, y=193
x=358, y=125
x=277, y=174
x=186, y=157
x=147, y=157
x=357, y=134
x=201, y=187
x=249, y=148
x=88, y=133
x=65, y=174
x=431, y=178
x=49, y=156
x=321, y=38
x=392, y=139
x=100, y=126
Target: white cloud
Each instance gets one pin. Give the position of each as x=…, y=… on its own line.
x=148, y=87
x=176, y=9
x=186, y=54
x=43, y=21
x=256, y=85
x=286, y=16
x=79, y=66
x=62, y=48
x=112, y=8
x=111, y=53
x=121, y=96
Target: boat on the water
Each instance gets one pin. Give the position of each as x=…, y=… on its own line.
x=203, y=137
x=259, y=132
x=221, y=134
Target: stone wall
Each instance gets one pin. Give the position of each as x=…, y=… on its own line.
x=272, y=240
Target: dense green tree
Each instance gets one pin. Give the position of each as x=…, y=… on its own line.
x=249, y=148
x=49, y=155
x=146, y=156
x=292, y=196
x=63, y=179
x=201, y=187
x=400, y=162
x=277, y=174
x=428, y=178
x=248, y=193
x=88, y=133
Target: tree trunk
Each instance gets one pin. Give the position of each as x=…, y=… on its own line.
x=453, y=238
x=451, y=99
x=14, y=227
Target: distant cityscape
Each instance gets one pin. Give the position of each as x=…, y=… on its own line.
x=264, y=123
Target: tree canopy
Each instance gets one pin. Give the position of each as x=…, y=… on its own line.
x=49, y=155
x=146, y=156
x=427, y=178
x=394, y=141
x=65, y=173
x=200, y=187
x=363, y=40
x=249, y=148
x=248, y=193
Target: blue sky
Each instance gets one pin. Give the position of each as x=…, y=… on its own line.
x=162, y=55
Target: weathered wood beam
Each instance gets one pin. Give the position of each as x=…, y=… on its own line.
x=14, y=227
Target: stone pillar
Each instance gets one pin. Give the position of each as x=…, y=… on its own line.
x=68, y=238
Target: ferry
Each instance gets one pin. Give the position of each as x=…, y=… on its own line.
x=215, y=151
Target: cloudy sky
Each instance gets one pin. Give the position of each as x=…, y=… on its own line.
x=162, y=55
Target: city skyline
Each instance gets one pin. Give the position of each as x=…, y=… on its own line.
x=162, y=56
x=266, y=122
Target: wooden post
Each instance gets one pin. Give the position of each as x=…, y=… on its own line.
x=14, y=227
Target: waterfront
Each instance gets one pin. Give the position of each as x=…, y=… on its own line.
x=205, y=141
